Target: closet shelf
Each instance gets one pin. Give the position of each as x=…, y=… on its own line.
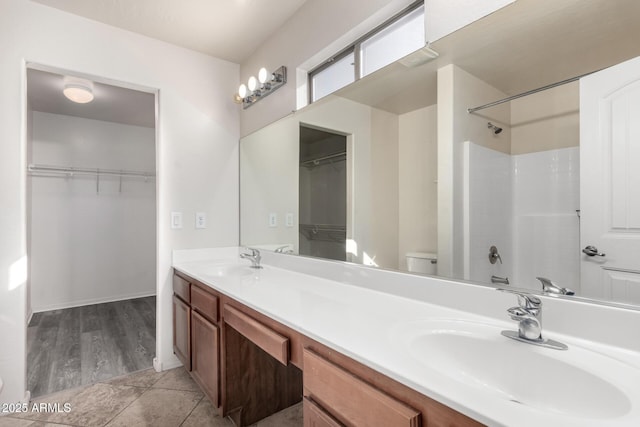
x=70, y=171
x=324, y=232
x=331, y=158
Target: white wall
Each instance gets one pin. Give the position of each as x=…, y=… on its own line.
x=270, y=177
x=417, y=187
x=457, y=91
x=319, y=29
x=545, y=135
x=103, y=245
x=269, y=170
x=384, y=188
x=546, y=120
x=488, y=213
x=197, y=156
x=546, y=226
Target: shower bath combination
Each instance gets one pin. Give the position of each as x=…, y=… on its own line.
x=496, y=130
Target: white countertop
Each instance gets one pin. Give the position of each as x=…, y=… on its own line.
x=366, y=324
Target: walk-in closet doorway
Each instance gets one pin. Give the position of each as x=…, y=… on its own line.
x=91, y=220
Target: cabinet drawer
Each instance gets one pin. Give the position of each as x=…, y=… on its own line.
x=181, y=288
x=351, y=400
x=204, y=303
x=268, y=340
x=314, y=416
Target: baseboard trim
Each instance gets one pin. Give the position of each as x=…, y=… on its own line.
x=91, y=301
x=160, y=366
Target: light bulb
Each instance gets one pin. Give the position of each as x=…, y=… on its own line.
x=252, y=83
x=242, y=91
x=262, y=75
x=78, y=94
x=77, y=89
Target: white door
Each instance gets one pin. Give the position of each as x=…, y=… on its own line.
x=610, y=182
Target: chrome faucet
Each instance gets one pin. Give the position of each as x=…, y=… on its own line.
x=548, y=287
x=528, y=314
x=254, y=257
x=283, y=250
x=501, y=280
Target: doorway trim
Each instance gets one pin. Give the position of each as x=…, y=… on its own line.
x=34, y=65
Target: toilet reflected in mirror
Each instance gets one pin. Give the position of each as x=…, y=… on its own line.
x=422, y=262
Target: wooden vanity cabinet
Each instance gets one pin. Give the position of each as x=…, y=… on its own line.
x=182, y=321
x=205, y=342
x=258, y=379
x=205, y=351
x=343, y=396
x=251, y=366
x=196, y=333
x=315, y=416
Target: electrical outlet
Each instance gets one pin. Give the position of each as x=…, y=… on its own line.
x=289, y=219
x=273, y=219
x=176, y=220
x=201, y=220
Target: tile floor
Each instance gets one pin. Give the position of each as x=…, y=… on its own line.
x=145, y=398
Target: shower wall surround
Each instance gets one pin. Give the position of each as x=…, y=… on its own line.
x=546, y=225
x=488, y=212
x=525, y=205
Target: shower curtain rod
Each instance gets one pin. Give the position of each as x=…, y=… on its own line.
x=529, y=92
x=70, y=171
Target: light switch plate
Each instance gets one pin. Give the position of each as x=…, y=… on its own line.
x=273, y=219
x=176, y=220
x=201, y=220
x=289, y=219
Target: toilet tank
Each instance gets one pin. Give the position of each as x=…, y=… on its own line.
x=422, y=262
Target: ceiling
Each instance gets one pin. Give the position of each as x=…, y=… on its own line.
x=226, y=29
x=526, y=45
x=111, y=103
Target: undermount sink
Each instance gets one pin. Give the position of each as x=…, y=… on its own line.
x=577, y=382
x=228, y=270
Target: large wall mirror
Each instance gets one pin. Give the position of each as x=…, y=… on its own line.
x=393, y=171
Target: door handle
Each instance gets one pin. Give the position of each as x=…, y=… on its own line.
x=592, y=251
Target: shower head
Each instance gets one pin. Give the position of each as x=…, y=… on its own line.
x=495, y=128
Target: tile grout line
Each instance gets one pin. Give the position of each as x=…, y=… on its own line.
x=131, y=403
x=191, y=411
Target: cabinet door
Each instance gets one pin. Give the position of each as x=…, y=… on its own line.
x=314, y=416
x=181, y=331
x=205, y=340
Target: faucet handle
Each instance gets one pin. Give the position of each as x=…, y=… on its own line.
x=525, y=300
x=254, y=252
x=551, y=288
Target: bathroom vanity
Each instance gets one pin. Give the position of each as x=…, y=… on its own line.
x=258, y=366
x=260, y=340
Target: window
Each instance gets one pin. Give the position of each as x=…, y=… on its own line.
x=394, y=39
x=393, y=42
x=336, y=75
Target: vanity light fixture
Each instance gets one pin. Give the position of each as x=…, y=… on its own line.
x=258, y=88
x=78, y=90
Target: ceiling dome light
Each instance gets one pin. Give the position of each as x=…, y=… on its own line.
x=252, y=83
x=78, y=90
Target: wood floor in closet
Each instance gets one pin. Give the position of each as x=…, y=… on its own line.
x=84, y=345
